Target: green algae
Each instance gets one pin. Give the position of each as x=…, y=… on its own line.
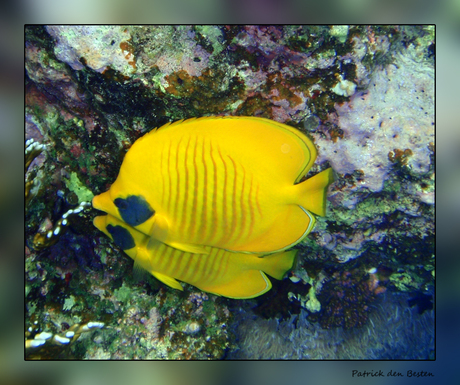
x=74, y=184
x=214, y=35
x=123, y=294
x=406, y=281
x=69, y=303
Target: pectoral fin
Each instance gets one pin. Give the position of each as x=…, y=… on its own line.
x=160, y=229
x=159, y=233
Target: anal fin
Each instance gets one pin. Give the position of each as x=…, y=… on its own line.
x=171, y=282
x=290, y=227
x=246, y=284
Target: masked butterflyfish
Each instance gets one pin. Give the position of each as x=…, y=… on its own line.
x=225, y=182
x=233, y=275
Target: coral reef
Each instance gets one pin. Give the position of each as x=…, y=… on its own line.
x=48, y=234
x=33, y=149
x=47, y=344
x=172, y=328
x=364, y=94
x=345, y=300
x=371, y=118
x=91, y=46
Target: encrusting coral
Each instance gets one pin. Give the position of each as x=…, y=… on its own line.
x=32, y=150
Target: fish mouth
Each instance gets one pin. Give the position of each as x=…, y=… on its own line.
x=100, y=222
x=103, y=202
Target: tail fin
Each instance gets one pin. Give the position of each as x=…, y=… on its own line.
x=277, y=265
x=312, y=192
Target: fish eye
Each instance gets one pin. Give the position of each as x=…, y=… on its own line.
x=121, y=204
x=134, y=209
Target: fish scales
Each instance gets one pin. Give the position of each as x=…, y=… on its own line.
x=203, y=179
x=215, y=195
x=179, y=187
x=169, y=262
x=189, y=181
x=219, y=263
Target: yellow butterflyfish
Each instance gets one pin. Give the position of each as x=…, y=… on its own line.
x=233, y=275
x=225, y=182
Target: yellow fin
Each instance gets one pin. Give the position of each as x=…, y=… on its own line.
x=312, y=192
x=276, y=265
x=167, y=280
x=160, y=229
x=187, y=247
x=153, y=244
x=159, y=233
x=250, y=284
x=245, y=276
x=294, y=223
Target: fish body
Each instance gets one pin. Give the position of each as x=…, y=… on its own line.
x=233, y=275
x=224, y=182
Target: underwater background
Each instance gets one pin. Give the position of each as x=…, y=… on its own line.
x=363, y=286
x=12, y=240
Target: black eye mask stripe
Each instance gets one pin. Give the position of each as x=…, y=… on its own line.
x=134, y=209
